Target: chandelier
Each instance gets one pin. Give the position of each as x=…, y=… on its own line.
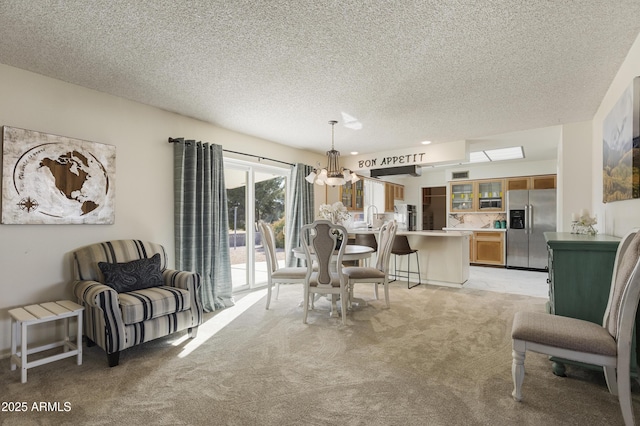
x=333, y=174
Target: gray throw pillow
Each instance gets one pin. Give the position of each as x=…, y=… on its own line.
x=134, y=275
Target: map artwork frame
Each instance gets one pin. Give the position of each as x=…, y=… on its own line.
x=51, y=179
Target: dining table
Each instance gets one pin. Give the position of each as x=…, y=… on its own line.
x=351, y=252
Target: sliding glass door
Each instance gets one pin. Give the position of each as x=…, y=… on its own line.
x=254, y=192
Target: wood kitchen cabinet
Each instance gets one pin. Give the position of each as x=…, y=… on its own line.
x=392, y=192
x=463, y=197
x=580, y=270
x=487, y=248
x=532, y=182
x=477, y=196
x=490, y=195
x=352, y=195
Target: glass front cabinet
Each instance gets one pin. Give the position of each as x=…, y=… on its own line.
x=478, y=196
x=463, y=197
x=352, y=195
x=490, y=195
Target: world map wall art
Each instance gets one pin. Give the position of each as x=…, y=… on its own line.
x=50, y=179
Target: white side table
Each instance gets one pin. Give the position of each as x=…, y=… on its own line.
x=22, y=318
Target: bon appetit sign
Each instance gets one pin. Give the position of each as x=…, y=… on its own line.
x=449, y=152
x=392, y=160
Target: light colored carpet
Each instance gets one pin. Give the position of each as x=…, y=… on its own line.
x=439, y=356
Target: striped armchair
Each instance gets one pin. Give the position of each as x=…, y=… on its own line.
x=119, y=320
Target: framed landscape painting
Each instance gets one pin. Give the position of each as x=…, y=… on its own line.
x=50, y=179
x=621, y=147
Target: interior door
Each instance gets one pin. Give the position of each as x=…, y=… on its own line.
x=434, y=208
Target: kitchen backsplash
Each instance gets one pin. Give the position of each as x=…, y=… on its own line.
x=475, y=220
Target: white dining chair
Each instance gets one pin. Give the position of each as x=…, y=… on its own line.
x=324, y=244
x=275, y=274
x=378, y=274
x=607, y=345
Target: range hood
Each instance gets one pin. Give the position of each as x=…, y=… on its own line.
x=412, y=170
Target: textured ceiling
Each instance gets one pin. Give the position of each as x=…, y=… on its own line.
x=407, y=71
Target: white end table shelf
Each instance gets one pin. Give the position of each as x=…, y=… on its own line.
x=22, y=318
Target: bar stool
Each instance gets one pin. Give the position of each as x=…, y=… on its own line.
x=401, y=247
x=368, y=240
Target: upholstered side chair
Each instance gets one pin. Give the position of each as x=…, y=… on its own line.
x=380, y=273
x=277, y=275
x=324, y=245
x=607, y=345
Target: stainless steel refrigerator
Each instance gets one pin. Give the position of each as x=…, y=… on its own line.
x=530, y=213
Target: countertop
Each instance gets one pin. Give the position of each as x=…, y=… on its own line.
x=566, y=237
x=443, y=233
x=476, y=229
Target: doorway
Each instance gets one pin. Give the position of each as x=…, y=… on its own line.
x=254, y=192
x=434, y=208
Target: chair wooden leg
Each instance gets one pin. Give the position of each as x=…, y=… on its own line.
x=517, y=368
x=350, y=285
x=612, y=381
x=277, y=290
x=192, y=332
x=113, y=359
x=306, y=305
x=386, y=292
x=269, y=285
x=624, y=390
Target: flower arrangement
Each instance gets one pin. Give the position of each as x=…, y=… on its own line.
x=337, y=213
x=583, y=223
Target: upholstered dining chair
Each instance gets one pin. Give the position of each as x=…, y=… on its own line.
x=380, y=273
x=322, y=242
x=275, y=274
x=607, y=345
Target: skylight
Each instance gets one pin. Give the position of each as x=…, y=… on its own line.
x=500, y=154
x=478, y=157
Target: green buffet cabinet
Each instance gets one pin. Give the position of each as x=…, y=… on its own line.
x=580, y=270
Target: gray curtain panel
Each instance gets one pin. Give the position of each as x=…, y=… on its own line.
x=300, y=210
x=201, y=220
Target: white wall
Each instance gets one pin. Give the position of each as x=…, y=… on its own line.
x=574, y=175
x=619, y=216
x=34, y=259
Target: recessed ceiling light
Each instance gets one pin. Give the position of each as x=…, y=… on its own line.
x=354, y=152
x=425, y=142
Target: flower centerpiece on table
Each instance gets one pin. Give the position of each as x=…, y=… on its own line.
x=336, y=213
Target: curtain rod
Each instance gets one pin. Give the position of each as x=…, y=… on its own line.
x=259, y=157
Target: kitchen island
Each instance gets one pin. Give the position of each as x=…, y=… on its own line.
x=444, y=256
